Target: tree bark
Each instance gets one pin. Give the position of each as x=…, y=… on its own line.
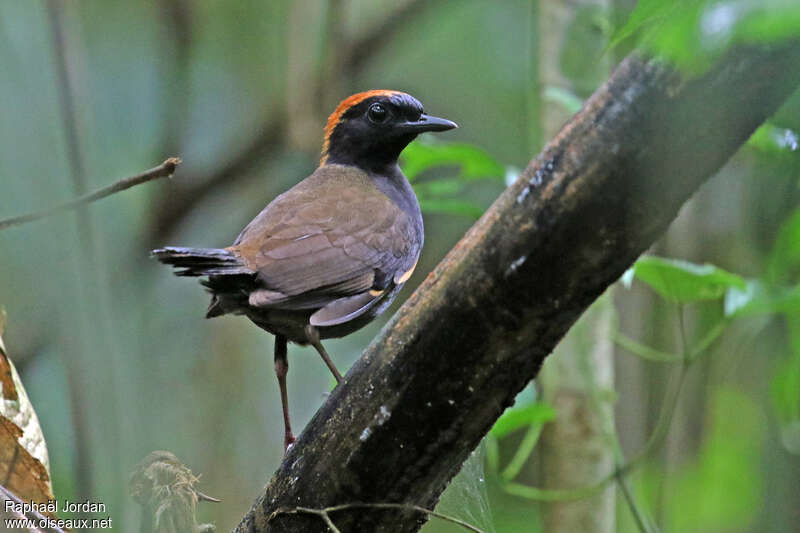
x=575, y=449
x=455, y=355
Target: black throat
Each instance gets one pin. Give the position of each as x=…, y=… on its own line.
x=369, y=154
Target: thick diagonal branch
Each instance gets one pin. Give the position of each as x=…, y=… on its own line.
x=477, y=330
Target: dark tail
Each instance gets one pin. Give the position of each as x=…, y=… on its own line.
x=201, y=261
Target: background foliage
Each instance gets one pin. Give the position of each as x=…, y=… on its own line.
x=119, y=362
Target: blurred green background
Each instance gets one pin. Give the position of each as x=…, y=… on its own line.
x=114, y=350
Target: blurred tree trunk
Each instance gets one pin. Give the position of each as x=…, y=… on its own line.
x=306, y=58
x=575, y=448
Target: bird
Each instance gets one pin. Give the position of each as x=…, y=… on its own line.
x=330, y=254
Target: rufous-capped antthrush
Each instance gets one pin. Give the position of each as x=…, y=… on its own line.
x=327, y=256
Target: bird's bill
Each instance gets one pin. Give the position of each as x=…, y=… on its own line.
x=430, y=123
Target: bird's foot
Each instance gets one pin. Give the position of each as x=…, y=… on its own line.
x=288, y=441
x=312, y=335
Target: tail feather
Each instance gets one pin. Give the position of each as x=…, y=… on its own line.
x=229, y=280
x=201, y=261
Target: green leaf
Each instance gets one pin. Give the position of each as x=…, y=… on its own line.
x=438, y=196
x=678, y=37
x=475, y=162
x=771, y=139
x=760, y=299
x=646, y=14
x=784, y=258
x=438, y=187
x=785, y=388
x=521, y=417
x=723, y=488
x=767, y=20
x=693, y=33
x=450, y=206
x=681, y=281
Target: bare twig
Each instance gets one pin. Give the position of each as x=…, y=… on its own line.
x=32, y=514
x=322, y=513
x=164, y=170
x=325, y=513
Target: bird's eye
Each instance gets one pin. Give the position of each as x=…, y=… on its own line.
x=377, y=113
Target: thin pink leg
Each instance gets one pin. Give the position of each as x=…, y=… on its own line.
x=281, y=369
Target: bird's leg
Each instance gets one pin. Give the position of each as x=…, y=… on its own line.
x=281, y=369
x=313, y=339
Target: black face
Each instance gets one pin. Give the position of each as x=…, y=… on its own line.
x=372, y=133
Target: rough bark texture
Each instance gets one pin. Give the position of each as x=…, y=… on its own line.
x=455, y=355
x=575, y=449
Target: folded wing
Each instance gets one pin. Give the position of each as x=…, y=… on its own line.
x=313, y=247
